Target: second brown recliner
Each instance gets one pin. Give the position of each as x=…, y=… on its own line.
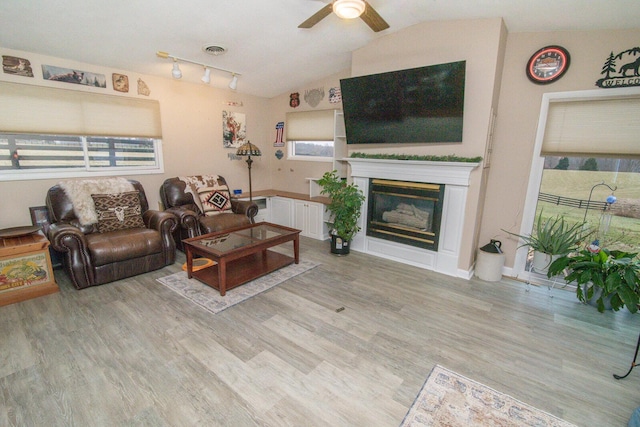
x=202, y=204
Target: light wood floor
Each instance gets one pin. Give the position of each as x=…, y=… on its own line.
x=135, y=353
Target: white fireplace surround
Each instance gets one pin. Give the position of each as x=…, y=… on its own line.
x=454, y=175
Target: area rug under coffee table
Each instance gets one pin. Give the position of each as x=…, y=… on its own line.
x=449, y=399
x=210, y=299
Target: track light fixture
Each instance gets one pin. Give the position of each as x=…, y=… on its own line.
x=206, y=78
x=233, y=84
x=176, y=73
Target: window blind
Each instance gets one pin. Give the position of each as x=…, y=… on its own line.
x=598, y=128
x=45, y=110
x=310, y=125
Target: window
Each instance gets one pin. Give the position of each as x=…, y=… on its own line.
x=578, y=189
x=311, y=150
x=36, y=156
x=49, y=132
x=586, y=139
x=310, y=135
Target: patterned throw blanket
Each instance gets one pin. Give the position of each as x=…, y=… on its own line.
x=80, y=191
x=208, y=194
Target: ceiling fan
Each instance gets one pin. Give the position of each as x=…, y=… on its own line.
x=349, y=9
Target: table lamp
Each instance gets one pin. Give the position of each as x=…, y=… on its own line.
x=248, y=149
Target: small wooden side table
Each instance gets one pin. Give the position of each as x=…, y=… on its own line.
x=25, y=268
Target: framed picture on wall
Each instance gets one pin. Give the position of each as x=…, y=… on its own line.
x=234, y=129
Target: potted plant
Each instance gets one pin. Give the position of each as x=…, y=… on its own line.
x=604, y=278
x=551, y=238
x=344, y=210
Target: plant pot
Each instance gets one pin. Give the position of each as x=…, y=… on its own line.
x=339, y=246
x=542, y=261
x=593, y=301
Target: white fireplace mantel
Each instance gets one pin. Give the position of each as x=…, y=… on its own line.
x=455, y=176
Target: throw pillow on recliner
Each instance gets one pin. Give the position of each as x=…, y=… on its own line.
x=118, y=211
x=214, y=200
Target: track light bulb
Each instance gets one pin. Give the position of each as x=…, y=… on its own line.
x=234, y=83
x=207, y=76
x=176, y=73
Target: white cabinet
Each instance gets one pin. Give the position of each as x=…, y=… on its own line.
x=310, y=218
x=263, y=212
x=281, y=210
x=263, y=208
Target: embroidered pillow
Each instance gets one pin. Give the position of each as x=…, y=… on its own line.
x=118, y=211
x=215, y=200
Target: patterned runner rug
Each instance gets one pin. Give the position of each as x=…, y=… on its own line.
x=210, y=299
x=449, y=399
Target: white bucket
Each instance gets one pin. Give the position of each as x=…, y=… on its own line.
x=489, y=266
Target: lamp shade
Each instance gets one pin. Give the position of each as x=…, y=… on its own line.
x=248, y=149
x=348, y=9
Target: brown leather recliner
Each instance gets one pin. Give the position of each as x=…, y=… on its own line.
x=92, y=258
x=192, y=221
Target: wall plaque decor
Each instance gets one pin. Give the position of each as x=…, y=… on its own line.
x=279, y=142
x=68, y=75
x=294, y=100
x=335, y=95
x=621, y=70
x=314, y=96
x=234, y=129
x=548, y=64
x=143, y=89
x=120, y=82
x=16, y=66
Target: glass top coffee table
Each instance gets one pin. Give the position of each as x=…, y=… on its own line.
x=240, y=255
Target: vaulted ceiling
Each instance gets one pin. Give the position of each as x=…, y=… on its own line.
x=262, y=37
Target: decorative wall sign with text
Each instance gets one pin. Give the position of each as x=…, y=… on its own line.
x=279, y=142
x=621, y=70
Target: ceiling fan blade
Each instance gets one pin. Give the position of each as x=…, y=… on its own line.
x=373, y=19
x=317, y=17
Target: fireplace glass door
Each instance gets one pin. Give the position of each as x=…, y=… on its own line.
x=405, y=212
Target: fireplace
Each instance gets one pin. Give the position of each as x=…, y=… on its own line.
x=405, y=212
x=452, y=180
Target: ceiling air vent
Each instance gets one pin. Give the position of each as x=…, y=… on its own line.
x=214, y=50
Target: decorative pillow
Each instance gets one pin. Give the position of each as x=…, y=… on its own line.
x=118, y=211
x=215, y=200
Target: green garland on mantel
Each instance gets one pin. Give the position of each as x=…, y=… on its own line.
x=449, y=158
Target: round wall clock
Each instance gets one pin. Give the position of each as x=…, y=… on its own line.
x=548, y=64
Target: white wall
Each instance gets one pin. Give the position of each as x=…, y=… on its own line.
x=192, y=134
x=480, y=43
x=518, y=112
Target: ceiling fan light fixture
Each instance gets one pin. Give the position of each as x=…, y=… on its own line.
x=349, y=9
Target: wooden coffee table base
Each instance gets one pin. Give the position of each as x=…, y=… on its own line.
x=242, y=270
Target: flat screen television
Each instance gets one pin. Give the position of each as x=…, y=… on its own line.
x=418, y=105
